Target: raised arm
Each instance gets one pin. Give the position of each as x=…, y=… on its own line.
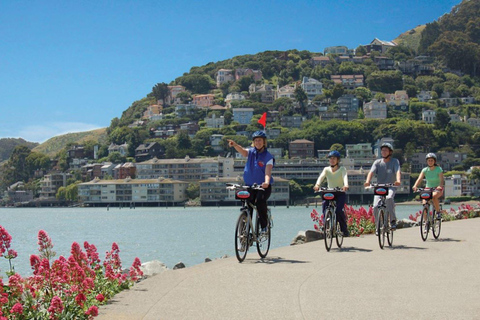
x=239, y=148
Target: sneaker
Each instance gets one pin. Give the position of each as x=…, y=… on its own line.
x=393, y=225
x=439, y=216
x=264, y=231
x=346, y=234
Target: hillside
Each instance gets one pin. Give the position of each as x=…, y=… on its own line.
x=8, y=144
x=411, y=38
x=53, y=145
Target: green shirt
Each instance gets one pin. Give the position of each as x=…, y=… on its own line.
x=432, y=176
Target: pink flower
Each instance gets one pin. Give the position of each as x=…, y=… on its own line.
x=100, y=297
x=17, y=308
x=56, y=306
x=5, y=239
x=12, y=254
x=80, y=299
x=92, y=311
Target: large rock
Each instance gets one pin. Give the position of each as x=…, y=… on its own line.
x=153, y=267
x=313, y=235
x=179, y=265
x=406, y=223
x=299, y=238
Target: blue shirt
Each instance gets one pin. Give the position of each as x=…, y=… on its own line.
x=254, y=171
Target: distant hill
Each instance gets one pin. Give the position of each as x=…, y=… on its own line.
x=411, y=38
x=53, y=145
x=8, y=144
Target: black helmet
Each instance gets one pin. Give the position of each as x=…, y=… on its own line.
x=259, y=134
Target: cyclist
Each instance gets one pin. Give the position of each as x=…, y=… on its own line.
x=434, y=176
x=387, y=170
x=258, y=170
x=336, y=178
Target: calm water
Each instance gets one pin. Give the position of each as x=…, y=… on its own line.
x=166, y=234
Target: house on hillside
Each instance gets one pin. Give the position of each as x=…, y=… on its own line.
x=379, y=45
x=148, y=151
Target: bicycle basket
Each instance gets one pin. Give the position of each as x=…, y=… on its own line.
x=328, y=196
x=380, y=191
x=242, y=194
x=427, y=195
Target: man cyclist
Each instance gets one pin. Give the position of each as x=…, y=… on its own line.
x=434, y=176
x=258, y=170
x=336, y=178
x=387, y=170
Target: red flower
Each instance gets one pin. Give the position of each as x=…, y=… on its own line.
x=100, y=297
x=17, y=308
x=56, y=306
x=92, y=311
x=80, y=299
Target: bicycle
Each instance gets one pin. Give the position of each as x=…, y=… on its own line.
x=246, y=233
x=384, y=226
x=428, y=218
x=331, y=226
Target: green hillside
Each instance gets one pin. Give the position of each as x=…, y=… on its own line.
x=8, y=144
x=411, y=39
x=53, y=145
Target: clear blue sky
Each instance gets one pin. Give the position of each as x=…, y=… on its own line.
x=69, y=66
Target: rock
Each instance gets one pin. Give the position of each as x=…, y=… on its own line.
x=208, y=259
x=313, y=235
x=179, y=265
x=224, y=256
x=153, y=267
x=299, y=239
x=406, y=223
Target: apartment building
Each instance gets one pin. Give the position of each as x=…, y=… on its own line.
x=133, y=191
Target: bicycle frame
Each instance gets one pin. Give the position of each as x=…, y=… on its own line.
x=330, y=228
x=382, y=191
x=430, y=221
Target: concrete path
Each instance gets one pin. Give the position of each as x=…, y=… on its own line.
x=436, y=279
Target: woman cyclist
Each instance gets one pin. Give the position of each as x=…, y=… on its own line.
x=336, y=178
x=258, y=170
x=434, y=176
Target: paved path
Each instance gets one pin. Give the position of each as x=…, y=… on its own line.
x=436, y=279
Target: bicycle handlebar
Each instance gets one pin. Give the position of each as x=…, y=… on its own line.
x=374, y=185
x=323, y=189
x=234, y=186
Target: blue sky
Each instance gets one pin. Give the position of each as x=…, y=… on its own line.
x=70, y=66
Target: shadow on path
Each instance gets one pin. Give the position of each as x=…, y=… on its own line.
x=272, y=260
x=354, y=249
x=447, y=240
x=402, y=247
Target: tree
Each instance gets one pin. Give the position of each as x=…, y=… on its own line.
x=442, y=119
x=385, y=81
x=301, y=98
x=160, y=92
x=193, y=191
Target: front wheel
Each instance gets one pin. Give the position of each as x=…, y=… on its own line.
x=242, y=236
x=328, y=230
x=263, y=239
x=424, y=224
x=381, y=228
x=436, y=227
x=339, y=235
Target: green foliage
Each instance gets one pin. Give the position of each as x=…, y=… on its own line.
x=385, y=81
x=193, y=191
x=8, y=144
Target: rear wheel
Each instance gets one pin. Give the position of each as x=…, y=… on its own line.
x=381, y=228
x=263, y=239
x=242, y=236
x=436, y=227
x=328, y=230
x=424, y=223
x=339, y=235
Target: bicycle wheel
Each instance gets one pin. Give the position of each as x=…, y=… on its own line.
x=339, y=235
x=263, y=239
x=436, y=226
x=328, y=230
x=242, y=236
x=389, y=230
x=381, y=228
x=424, y=223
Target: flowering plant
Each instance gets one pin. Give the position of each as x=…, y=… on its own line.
x=67, y=288
x=358, y=221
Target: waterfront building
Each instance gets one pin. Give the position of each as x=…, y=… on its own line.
x=186, y=169
x=133, y=191
x=213, y=191
x=51, y=182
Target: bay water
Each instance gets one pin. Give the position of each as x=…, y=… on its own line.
x=170, y=235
